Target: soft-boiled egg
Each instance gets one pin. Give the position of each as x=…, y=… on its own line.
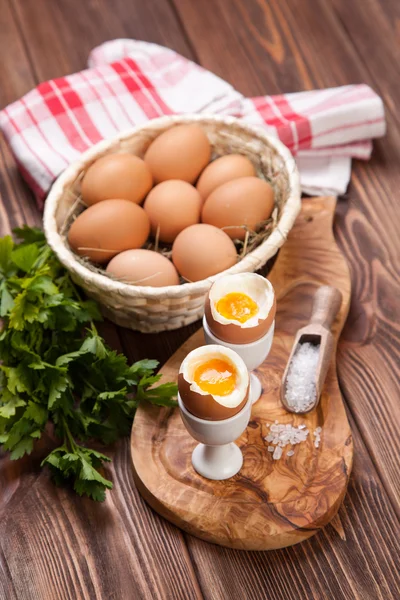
x=240, y=308
x=213, y=383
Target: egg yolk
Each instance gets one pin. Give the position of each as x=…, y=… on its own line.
x=237, y=306
x=216, y=377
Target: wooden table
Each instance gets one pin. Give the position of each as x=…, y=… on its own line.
x=55, y=545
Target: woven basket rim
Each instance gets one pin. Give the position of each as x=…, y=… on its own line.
x=251, y=262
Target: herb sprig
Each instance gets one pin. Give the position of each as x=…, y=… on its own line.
x=55, y=368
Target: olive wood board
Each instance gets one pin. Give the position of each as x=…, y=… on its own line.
x=270, y=503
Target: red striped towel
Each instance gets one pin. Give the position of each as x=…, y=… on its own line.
x=129, y=82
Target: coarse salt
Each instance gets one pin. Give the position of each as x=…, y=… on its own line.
x=285, y=435
x=301, y=393
x=317, y=435
x=288, y=435
x=277, y=453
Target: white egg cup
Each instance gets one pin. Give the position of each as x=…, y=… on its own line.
x=253, y=354
x=216, y=457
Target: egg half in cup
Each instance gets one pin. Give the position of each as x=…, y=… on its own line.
x=213, y=383
x=240, y=309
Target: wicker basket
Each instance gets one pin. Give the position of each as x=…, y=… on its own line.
x=150, y=309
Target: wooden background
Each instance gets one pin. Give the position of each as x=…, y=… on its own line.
x=57, y=546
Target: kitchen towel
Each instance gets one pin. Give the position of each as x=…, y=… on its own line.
x=129, y=82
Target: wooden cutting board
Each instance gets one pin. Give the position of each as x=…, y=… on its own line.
x=269, y=504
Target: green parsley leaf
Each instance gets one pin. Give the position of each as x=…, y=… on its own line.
x=6, y=264
x=36, y=412
x=18, y=431
x=163, y=395
x=59, y=383
x=64, y=359
x=30, y=235
x=143, y=367
x=25, y=446
x=90, y=474
x=7, y=302
x=44, y=284
x=24, y=311
x=93, y=489
x=53, y=458
x=19, y=378
x=25, y=256
x=9, y=408
x=94, y=345
x=118, y=394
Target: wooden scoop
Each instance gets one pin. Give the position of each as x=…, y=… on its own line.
x=327, y=302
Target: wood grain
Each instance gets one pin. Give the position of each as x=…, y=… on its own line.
x=72, y=31
x=363, y=567
x=16, y=74
x=17, y=202
x=383, y=35
x=260, y=47
x=319, y=52
x=269, y=504
x=70, y=548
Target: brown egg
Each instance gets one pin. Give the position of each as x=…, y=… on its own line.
x=213, y=360
x=181, y=152
x=223, y=169
x=143, y=267
x=246, y=201
x=107, y=228
x=240, y=308
x=172, y=206
x=202, y=250
x=122, y=176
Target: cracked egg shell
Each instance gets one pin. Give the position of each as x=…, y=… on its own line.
x=227, y=328
x=212, y=407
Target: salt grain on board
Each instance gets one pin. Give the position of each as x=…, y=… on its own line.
x=300, y=391
x=288, y=435
x=317, y=435
x=277, y=453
